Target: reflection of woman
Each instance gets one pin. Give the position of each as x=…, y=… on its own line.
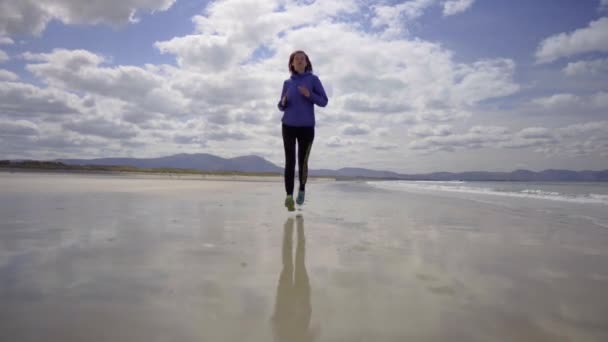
x=292, y=310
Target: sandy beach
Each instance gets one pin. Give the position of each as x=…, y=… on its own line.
x=120, y=258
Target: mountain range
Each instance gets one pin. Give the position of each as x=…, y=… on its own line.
x=256, y=164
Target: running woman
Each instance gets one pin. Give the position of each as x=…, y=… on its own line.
x=300, y=93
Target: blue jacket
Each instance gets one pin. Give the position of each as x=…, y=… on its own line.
x=299, y=110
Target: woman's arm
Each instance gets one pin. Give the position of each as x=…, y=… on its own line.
x=317, y=95
x=283, y=101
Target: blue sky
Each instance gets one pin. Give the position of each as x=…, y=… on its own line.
x=415, y=86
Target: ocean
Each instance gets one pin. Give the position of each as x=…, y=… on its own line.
x=584, y=200
x=574, y=192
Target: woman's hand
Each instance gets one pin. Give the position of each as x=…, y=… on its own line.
x=283, y=100
x=304, y=91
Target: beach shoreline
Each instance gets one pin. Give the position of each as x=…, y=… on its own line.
x=222, y=176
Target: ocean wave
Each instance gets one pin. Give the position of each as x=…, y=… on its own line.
x=525, y=193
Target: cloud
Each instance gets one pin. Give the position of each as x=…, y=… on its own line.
x=558, y=101
x=569, y=102
x=363, y=103
x=452, y=7
x=385, y=146
x=393, y=18
x=223, y=81
x=563, y=142
x=530, y=137
x=584, y=129
x=102, y=128
x=597, y=67
x=477, y=137
x=189, y=139
x=223, y=134
x=599, y=100
x=8, y=75
x=589, y=39
x=221, y=42
x=36, y=137
x=585, y=139
x=69, y=143
x=228, y=84
x=80, y=70
x=228, y=77
x=17, y=128
x=355, y=129
x=485, y=79
x=336, y=141
x=422, y=131
x=3, y=57
x=32, y=16
x=25, y=100
x=6, y=40
x=535, y=133
x=218, y=58
x=603, y=5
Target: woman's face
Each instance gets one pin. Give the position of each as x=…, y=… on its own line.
x=299, y=62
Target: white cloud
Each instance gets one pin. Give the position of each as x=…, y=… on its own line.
x=25, y=100
x=6, y=40
x=385, y=146
x=230, y=88
x=231, y=91
x=80, y=70
x=485, y=79
x=452, y=7
x=102, y=127
x=422, y=131
x=535, y=133
x=32, y=16
x=564, y=142
x=3, y=57
x=599, y=100
x=597, y=67
x=585, y=139
x=570, y=102
x=18, y=128
x=477, y=137
x=225, y=133
x=8, y=75
x=336, y=141
x=393, y=18
x=221, y=42
x=589, y=39
x=388, y=92
x=585, y=129
x=531, y=137
x=351, y=129
x=558, y=101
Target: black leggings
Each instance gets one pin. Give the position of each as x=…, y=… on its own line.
x=304, y=136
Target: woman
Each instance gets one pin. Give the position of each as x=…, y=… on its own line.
x=300, y=93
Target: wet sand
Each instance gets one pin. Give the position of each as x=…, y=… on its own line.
x=118, y=258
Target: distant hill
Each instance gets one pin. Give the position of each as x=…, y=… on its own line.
x=256, y=164
x=199, y=161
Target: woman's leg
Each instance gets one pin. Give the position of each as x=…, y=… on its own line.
x=305, y=137
x=289, y=144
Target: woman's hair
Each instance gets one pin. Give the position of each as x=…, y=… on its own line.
x=293, y=55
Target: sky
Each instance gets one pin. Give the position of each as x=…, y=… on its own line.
x=413, y=86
